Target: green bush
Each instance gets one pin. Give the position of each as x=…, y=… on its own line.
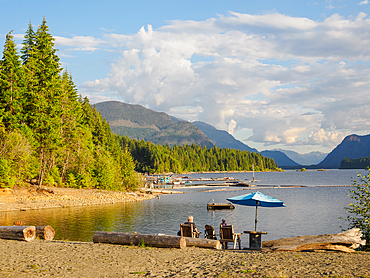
x=359, y=211
x=6, y=177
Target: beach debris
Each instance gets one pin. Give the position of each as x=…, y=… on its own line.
x=19, y=223
x=345, y=242
x=139, y=239
x=45, y=232
x=24, y=233
x=157, y=240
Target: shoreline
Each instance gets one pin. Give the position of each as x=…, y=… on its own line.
x=30, y=198
x=41, y=258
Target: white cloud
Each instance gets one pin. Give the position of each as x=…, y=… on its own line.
x=79, y=43
x=365, y=2
x=293, y=81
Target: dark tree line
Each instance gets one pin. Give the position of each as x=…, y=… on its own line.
x=151, y=158
x=359, y=163
x=48, y=132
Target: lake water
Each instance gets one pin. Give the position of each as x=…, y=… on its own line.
x=310, y=210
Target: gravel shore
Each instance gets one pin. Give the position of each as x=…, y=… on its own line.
x=26, y=198
x=79, y=259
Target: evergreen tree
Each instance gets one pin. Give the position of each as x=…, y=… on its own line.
x=11, y=86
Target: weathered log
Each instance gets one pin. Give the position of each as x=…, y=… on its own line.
x=345, y=242
x=137, y=239
x=203, y=243
x=45, y=232
x=26, y=233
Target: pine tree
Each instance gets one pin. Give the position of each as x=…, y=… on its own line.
x=11, y=86
x=44, y=98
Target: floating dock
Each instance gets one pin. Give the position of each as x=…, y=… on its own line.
x=213, y=206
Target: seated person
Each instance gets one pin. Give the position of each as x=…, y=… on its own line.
x=190, y=221
x=223, y=223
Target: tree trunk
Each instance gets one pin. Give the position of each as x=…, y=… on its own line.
x=345, y=242
x=203, y=243
x=26, y=233
x=45, y=232
x=137, y=239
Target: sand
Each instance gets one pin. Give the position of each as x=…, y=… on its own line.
x=79, y=259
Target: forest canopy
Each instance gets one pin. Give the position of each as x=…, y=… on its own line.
x=50, y=135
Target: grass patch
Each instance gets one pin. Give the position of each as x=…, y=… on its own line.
x=248, y=271
x=138, y=272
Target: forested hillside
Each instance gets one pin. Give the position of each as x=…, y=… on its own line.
x=138, y=122
x=360, y=163
x=151, y=158
x=47, y=132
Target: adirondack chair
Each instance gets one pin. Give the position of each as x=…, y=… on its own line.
x=209, y=232
x=187, y=230
x=227, y=235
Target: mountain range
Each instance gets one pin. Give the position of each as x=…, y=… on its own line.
x=353, y=146
x=138, y=122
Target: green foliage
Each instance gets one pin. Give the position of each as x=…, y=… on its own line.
x=360, y=163
x=6, y=176
x=359, y=211
x=47, y=132
x=151, y=158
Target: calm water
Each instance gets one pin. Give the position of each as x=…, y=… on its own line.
x=310, y=210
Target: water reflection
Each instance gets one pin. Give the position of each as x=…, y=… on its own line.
x=308, y=211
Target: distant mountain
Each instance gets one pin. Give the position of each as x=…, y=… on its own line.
x=138, y=122
x=280, y=158
x=222, y=138
x=305, y=159
x=353, y=146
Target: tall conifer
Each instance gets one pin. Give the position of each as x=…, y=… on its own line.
x=11, y=86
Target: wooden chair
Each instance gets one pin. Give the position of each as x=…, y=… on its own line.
x=187, y=230
x=227, y=235
x=209, y=232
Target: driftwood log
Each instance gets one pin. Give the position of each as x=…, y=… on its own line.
x=45, y=232
x=137, y=239
x=26, y=233
x=203, y=243
x=345, y=242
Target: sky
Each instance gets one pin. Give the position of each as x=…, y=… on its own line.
x=293, y=75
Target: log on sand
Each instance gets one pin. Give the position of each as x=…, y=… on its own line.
x=26, y=233
x=45, y=232
x=203, y=243
x=345, y=242
x=138, y=239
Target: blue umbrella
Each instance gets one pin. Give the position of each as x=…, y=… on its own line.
x=256, y=199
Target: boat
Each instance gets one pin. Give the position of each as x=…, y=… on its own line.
x=213, y=205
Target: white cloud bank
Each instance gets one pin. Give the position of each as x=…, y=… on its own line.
x=293, y=81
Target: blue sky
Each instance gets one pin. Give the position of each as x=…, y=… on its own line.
x=275, y=74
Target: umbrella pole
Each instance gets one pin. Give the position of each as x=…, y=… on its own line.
x=255, y=221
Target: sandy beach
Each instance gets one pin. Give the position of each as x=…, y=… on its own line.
x=79, y=259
